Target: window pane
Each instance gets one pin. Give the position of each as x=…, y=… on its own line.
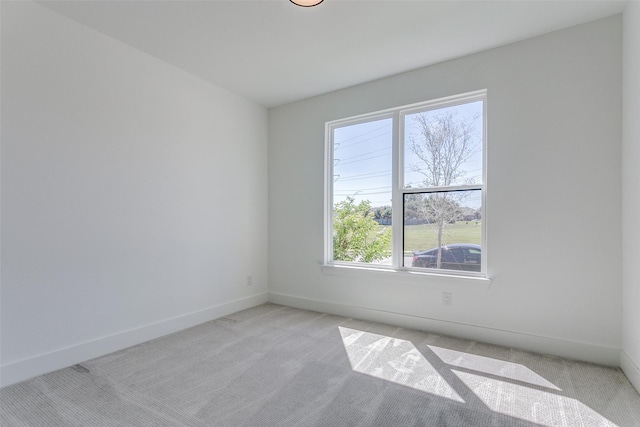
x=362, y=192
x=443, y=147
x=447, y=220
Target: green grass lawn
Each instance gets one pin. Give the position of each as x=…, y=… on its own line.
x=422, y=237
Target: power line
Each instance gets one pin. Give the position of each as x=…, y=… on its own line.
x=367, y=175
x=363, y=160
x=341, y=142
x=370, y=188
x=364, y=154
x=362, y=193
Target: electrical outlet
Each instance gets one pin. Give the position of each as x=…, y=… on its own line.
x=447, y=298
x=249, y=280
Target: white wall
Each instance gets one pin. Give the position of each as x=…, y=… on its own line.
x=630, y=359
x=134, y=195
x=554, y=199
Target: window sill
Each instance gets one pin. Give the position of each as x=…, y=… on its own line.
x=406, y=275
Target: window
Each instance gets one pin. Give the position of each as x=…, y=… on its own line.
x=406, y=187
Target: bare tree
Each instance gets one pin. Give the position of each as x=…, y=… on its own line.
x=444, y=144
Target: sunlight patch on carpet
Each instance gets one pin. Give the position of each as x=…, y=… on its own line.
x=537, y=406
x=394, y=360
x=488, y=365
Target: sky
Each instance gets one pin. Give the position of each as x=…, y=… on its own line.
x=363, y=159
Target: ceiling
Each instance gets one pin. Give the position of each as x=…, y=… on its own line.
x=273, y=52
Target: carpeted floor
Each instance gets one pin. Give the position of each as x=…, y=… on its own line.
x=279, y=366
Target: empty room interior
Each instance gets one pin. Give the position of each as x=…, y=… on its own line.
x=177, y=176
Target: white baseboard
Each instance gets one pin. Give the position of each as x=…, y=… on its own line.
x=545, y=345
x=27, y=368
x=630, y=369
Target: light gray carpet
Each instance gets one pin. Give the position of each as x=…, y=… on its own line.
x=279, y=366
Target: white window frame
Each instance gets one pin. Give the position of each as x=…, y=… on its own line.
x=398, y=191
